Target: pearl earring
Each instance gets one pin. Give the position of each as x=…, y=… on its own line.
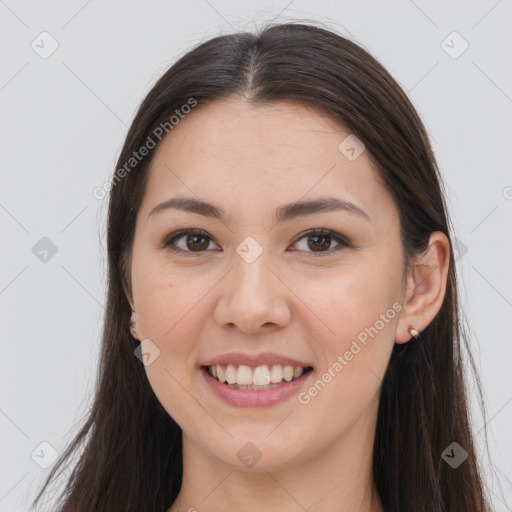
x=413, y=332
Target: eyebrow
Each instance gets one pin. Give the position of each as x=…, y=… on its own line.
x=282, y=214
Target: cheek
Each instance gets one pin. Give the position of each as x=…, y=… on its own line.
x=172, y=315
x=172, y=310
x=350, y=300
x=346, y=387
x=164, y=295
x=355, y=321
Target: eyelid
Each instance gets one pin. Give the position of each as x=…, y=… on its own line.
x=334, y=235
x=169, y=240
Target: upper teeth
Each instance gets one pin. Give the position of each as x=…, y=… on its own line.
x=258, y=376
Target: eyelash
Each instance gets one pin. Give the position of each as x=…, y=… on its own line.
x=171, y=239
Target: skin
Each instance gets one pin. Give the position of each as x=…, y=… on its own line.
x=249, y=160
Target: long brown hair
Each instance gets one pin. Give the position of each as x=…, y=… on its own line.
x=423, y=405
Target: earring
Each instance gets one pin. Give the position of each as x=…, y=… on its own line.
x=413, y=332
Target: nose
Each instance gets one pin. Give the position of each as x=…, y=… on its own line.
x=253, y=298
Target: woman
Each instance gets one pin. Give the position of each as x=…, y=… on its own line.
x=280, y=266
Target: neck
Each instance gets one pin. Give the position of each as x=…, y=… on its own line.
x=338, y=478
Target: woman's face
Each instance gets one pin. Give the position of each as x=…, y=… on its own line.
x=254, y=290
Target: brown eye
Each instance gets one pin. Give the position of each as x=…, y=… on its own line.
x=318, y=242
x=196, y=242
x=188, y=241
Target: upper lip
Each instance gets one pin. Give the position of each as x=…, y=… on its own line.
x=264, y=358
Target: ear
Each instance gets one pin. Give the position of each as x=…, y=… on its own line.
x=425, y=287
x=133, y=325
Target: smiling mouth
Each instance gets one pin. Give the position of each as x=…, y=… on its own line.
x=255, y=378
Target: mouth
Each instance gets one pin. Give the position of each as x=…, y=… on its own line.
x=256, y=377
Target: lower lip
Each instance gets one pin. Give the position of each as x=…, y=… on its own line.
x=254, y=397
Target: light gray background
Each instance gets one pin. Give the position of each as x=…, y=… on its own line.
x=64, y=118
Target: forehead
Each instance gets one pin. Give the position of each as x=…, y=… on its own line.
x=235, y=153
